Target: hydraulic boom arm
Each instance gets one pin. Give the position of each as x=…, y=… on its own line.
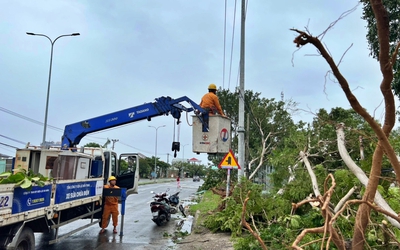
x=73, y=133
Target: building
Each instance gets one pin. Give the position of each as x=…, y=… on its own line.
x=5, y=163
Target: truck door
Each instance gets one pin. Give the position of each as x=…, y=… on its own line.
x=128, y=174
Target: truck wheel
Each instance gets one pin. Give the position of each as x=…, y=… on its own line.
x=26, y=240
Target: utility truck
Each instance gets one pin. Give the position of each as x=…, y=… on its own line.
x=77, y=176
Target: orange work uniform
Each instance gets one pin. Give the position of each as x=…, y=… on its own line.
x=110, y=207
x=210, y=102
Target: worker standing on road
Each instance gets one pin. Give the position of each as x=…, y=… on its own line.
x=210, y=101
x=178, y=181
x=110, y=207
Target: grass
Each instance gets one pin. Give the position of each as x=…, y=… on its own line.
x=208, y=203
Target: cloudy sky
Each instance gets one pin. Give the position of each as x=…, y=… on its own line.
x=131, y=52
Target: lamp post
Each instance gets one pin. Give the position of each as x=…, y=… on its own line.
x=155, y=156
x=183, y=155
x=48, y=85
x=183, y=151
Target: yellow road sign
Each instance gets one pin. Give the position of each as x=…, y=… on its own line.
x=229, y=161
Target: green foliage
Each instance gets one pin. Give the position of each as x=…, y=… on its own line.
x=268, y=119
x=345, y=180
x=392, y=196
x=187, y=167
x=193, y=169
x=209, y=202
x=24, y=179
x=212, y=179
x=229, y=219
x=392, y=7
x=299, y=188
x=123, y=165
x=92, y=145
x=261, y=208
x=145, y=167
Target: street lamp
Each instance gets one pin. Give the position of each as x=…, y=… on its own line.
x=155, y=156
x=48, y=85
x=183, y=154
x=183, y=151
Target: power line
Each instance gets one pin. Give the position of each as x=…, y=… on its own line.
x=7, y=145
x=7, y=149
x=27, y=118
x=87, y=138
x=36, y=122
x=13, y=139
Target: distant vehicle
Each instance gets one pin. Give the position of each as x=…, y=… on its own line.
x=196, y=178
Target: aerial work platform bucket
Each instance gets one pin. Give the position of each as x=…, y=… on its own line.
x=216, y=140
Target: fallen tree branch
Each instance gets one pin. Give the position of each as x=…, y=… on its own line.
x=304, y=233
x=247, y=225
x=311, y=174
x=374, y=207
x=327, y=214
x=361, y=176
x=344, y=199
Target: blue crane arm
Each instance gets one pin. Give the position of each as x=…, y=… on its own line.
x=73, y=133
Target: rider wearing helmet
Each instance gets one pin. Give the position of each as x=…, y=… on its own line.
x=110, y=207
x=210, y=101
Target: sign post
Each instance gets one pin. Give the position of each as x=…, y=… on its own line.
x=228, y=181
x=229, y=162
x=123, y=199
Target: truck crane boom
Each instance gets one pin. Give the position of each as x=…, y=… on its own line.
x=73, y=133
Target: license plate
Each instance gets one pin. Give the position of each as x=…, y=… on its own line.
x=155, y=214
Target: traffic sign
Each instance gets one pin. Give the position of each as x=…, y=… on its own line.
x=229, y=161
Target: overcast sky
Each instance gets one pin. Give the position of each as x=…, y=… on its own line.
x=131, y=52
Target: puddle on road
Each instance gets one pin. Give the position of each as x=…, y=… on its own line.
x=183, y=224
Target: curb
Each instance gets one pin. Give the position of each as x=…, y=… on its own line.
x=196, y=217
x=152, y=181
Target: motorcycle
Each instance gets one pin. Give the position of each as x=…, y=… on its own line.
x=163, y=206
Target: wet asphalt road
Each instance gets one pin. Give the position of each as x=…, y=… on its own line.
x=139, y=231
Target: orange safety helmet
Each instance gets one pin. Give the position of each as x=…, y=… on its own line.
x=112, y=178
x=212, y=86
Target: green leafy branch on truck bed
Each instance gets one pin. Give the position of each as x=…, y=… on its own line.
x=23, y=178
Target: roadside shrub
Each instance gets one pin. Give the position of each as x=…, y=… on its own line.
x=213, y=178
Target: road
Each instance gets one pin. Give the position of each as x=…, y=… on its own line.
x=139, y=231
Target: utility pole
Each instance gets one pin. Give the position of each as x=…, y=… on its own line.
x=241, y=130
x=114, y=141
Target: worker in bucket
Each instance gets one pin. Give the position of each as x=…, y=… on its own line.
x=110, y=207
x=210, y=101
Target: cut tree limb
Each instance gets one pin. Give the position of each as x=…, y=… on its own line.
x=344, y=199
